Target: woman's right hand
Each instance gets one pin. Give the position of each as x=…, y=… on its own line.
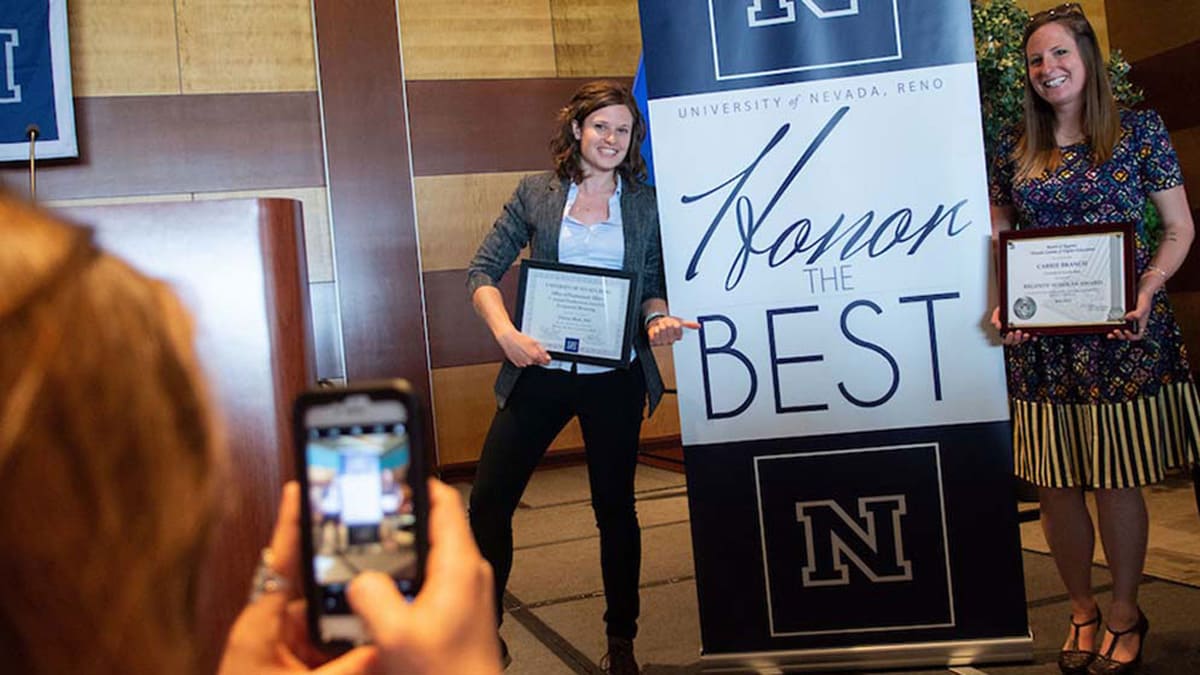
x=1012, y=337
x=522, y=350
x=451, y=625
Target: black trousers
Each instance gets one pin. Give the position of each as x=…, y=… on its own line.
x=609, y=406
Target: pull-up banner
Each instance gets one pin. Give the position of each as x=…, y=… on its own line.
x=35, y=80
x=822, y=191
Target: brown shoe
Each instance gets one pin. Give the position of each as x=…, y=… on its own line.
x=619, y=659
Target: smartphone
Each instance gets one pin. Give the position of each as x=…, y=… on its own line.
x=364, y=504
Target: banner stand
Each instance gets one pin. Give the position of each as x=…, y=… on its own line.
x=823, y=202
x=915, y=655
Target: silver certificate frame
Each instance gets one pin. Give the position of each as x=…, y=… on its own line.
x=1076, y=279
x=579, y=313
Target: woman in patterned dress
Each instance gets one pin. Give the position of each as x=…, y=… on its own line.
x=1109, y=412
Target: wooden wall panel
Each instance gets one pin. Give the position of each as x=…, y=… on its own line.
x=455, y=123
x=478, y=39
x=594, y=38
x=1162, y=42
x=1187, y=144
x=1187, y=311
x=1142, y=28
x=457, y=336
x=464, y=403
x=665, y=420
x=454, y=213
x=230, y=46
x=371, y=195
x=123, y=47
x=1161, y=75
x=144, y=145
x=1094, y=9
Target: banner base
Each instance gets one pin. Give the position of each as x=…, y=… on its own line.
x=921, y=654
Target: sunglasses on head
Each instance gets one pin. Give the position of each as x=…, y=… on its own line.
x=1065, y=9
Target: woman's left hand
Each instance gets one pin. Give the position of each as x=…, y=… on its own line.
x=269, y=636
x=666, y=330
x=1140, y=316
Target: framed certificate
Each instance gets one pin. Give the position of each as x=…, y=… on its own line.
x=1076, y=279
x=582, y=314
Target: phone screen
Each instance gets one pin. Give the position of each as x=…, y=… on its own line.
x=362, y=511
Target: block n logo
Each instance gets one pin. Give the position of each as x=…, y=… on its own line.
x=10, y=91
x=754, y=38
x=771, y=12
x=872, y=542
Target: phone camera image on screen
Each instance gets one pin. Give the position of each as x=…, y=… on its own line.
x=361, y=509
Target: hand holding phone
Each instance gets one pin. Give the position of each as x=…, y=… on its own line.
x=268, y=638
x=451, y=626
x=363, y=500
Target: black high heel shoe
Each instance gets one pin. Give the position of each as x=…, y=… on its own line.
x=1075, y=661
x=1106, y=665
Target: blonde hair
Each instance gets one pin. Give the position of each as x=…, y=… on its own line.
x=1036, y=151
x=109, y=459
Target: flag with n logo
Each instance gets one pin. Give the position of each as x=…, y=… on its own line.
x=35, y=80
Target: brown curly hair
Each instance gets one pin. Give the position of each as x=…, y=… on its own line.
x=588, y=99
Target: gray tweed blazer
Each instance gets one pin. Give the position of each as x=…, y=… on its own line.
x=532, y=217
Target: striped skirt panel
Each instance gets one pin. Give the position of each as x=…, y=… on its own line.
x=1107, y=445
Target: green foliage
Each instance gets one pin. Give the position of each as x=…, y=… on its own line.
x=999, y=27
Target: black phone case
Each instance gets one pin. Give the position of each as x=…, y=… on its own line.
x=379, y=390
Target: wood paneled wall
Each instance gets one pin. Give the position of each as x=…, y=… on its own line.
x=131, y=47
x=1094, y=9
x=1161, y=39
x=199, y=99
x=483, y=84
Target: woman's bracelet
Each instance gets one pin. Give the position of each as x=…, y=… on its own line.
x=650, y=319
x=1157, y=270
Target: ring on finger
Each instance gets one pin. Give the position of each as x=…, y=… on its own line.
x=266, y=579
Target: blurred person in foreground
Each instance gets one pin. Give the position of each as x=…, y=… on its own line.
x=110, y=471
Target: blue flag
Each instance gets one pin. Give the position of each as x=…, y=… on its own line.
x=35, y=80
x=642, y=98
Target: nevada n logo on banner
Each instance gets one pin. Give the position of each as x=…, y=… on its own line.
x=813, y=34
x=35, y=80
x=873, y=552
x=872, y=542
x=771, y=12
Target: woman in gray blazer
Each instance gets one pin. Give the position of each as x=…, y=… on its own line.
x=593, y=210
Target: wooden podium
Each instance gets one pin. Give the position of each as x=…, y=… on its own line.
x=239, y=267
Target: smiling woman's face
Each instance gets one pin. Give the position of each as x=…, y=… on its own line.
x=604, y=138
x=1056, y=70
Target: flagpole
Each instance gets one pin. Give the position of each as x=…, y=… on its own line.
x=32, y=132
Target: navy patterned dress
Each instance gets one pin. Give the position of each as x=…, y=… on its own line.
x=1089, y=411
